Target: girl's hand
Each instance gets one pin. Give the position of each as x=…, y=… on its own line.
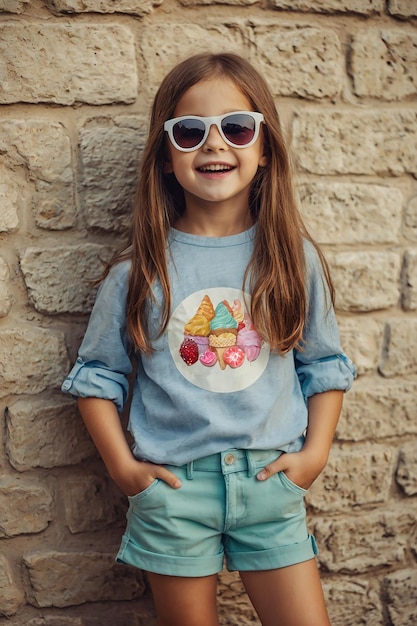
x=302, y=468
x=135, y=476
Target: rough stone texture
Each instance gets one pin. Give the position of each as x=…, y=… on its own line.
x=26, y=507
x=353, y=601
x=13, y=6
x=110, y=153
x=366, y=7
x=352, y=478
x=67, y=578
x=31, y=360
x=45, y=271
x=350, y=544
x=362, y=339
x=407, y=468
x=11, y=597
x=402, y=8
x=401, y=588
x=399, y=356
x=91, y=503
x=384, y=64
x=103, y=55
x=376, y=409
x=340, y=213
x=5, y=301
x=366, y=281
x=37, y=151
x=302, y=61
x=164, y=45
x=410, y=280
x=10, y=199
x=135, y=7
x=46, y=433
x=379, y=142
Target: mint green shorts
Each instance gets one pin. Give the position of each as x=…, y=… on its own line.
x=221, y=512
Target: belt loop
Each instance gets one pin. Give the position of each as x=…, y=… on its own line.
x=251, y=463
x=190, y=470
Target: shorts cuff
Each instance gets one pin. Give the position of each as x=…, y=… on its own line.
x=273, y=559
x=171, y=565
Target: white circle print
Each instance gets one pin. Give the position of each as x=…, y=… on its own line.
x=213, y=342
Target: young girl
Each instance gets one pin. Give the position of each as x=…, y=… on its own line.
x=224, y=304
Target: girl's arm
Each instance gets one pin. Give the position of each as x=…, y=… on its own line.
x=303, y=467
x=103, y=423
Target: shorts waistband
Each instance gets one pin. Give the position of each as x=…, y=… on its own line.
x=233, y=460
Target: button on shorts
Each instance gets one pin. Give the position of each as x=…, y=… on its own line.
x=222, y=512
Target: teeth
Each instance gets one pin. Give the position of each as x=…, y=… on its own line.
x=215, y=167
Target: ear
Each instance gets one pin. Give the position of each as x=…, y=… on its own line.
x=263, y=160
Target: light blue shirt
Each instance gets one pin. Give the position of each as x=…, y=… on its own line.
x=212, y=383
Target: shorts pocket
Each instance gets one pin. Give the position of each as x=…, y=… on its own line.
x=288, y=483
x=146, y=492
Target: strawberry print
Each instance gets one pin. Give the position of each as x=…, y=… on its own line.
x=189, y=351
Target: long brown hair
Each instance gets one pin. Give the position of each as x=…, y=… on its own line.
x=275, y=276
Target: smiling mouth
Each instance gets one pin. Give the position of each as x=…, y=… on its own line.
x=215, y=167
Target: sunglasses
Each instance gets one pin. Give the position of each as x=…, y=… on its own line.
x=239, y=129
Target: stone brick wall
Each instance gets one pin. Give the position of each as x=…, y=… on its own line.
x=76, y=81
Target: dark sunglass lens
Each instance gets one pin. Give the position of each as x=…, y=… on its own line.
x=239, y=129
x=188, y=133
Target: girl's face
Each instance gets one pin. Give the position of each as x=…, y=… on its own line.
x=216, y=177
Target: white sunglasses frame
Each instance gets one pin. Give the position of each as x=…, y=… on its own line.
x=208, y=122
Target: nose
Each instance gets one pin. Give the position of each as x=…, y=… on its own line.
x=214, y=140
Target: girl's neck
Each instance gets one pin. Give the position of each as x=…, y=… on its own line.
x=209, y=225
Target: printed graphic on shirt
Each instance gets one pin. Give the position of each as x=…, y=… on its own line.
x=213, y=342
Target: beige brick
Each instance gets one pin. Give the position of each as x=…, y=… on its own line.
x=59, y=279
x=355, y=476
x=5, y=300
x=353, y=601
x=63, y=579
x=410, y=217
x=341, y=213
x=45, y=432
x=11, y=195
x=43, y=71
x=375, y=142
x=370, y=539
x=11, y=596
x=134, y=7
x=399, y=354
x=407, y=468
x=13, y=6
x=26, y=507
x=110, y=151
x=410, y=280
x=366, y=7
x=366, y=281
x=56, y=620
x=375, y=408
x=362, y=340
x=31, y=360
x=401, y=588
x=402, y=8
x=300, y=61
x=164, y=45
x=40, y=151
x=384, y=64
x=91, y=502
x=239, y=3
x=234, y=606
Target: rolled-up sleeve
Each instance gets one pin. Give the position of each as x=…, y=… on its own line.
x=103, y=361
x=320, y=363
